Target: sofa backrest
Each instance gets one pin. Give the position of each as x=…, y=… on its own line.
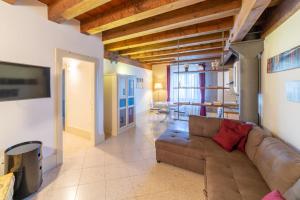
x=278, y=163
x=293, y=193
x=255, y=138
x=203, y=126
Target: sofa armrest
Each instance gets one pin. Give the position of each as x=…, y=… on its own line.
x=203, y=126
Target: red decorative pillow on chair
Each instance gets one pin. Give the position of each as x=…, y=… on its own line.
x=227, y=138
x=274, y=195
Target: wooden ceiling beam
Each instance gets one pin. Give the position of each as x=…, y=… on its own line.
x=176, y=51
x=203, y=39
x=10, y=1
x=132, y=11
x=196, y=53
x=187, y=16
x=183, y=58
x=176, y=34
x=248, y=15
x=126, y=60
x=284, y=10
x=190, y=61
x=63, y=10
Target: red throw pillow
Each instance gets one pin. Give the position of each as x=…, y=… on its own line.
x=240, y=129
x=227, y=138
x=244, y=130
x=274, y=195
x=230, y=124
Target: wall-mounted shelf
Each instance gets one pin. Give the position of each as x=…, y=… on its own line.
x=232, y=112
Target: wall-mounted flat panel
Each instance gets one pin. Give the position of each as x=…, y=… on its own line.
x=18, y=81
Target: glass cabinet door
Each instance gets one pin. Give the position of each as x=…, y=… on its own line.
x=122, y=101
x=131, y=103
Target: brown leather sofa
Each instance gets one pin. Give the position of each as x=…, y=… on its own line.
x=268, y=163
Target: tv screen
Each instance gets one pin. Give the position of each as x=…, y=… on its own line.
x=18, y=81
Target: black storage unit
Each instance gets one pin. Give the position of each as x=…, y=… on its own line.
x=25, y=161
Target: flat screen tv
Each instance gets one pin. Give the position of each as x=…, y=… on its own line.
x=18, y=81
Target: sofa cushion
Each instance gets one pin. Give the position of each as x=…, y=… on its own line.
x=293, y=192
x=254, y=139
x=233, y=177
x=212, y=149
x=181, y=143
x=203, y=126
x=278, y=163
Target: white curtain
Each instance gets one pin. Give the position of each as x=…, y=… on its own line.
x=184, y=87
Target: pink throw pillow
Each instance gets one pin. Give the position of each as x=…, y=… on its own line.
x=274, y=195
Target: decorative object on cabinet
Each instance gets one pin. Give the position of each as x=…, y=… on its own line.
x=119, y=103
x=215, y=65
x=285, y=61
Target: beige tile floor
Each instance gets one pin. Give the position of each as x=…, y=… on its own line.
x=122, y=168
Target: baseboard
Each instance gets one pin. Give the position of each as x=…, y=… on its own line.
x=78, y=132
x=100, y=138
x=49, y=162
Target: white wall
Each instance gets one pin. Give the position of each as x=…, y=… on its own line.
x=279, y=115
x=143, y=96
x=26, y=36
x=79, y=95
x=160, y=76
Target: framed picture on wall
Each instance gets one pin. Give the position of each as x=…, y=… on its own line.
x=285, y=61
x=293, y=91
x=139, y=83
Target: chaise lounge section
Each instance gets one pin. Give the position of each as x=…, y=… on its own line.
x=267, y=164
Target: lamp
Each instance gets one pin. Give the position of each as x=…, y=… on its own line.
x=158, y=86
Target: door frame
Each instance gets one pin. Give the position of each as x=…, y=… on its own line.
x=97, y=135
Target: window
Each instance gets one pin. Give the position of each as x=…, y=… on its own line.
x=185, y=87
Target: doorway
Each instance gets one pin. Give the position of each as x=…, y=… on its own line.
x=77, y=102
